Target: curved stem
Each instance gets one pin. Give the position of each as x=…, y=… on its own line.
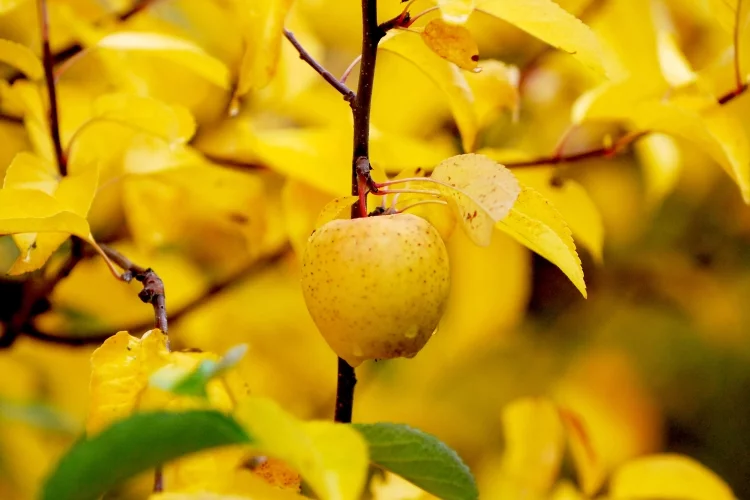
x=350, y=68
x=426, y=11
x=422, y=202
x=384, y=192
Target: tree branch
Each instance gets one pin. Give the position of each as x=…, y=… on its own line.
x=372, y=33
x=153, y=286
x=327, y=76
x=95, y=338
x=49, y=77
x=618, y=147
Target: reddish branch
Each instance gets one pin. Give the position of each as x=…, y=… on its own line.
x=153, y=286
x=217, y=289
x=616, y=148
x=50, y=81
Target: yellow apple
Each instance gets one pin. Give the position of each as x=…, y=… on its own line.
x=376, y=287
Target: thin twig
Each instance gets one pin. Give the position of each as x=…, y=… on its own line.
x=153, y=286
x=48, y=62
x=11, y=119
x=327, y=76
x=605, y=151
x=219, y=288
x=618, y=147
x=152, y=293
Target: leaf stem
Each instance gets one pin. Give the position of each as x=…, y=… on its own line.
x=49, y=77
x=422, y=202
x=327, y=76
x=350, y=68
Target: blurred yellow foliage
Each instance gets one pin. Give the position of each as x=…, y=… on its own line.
x=198, y=143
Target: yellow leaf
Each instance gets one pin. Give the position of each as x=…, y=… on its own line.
x=456, y=11
x=8, y=5
x=320, y=158
x=566, y=491
x=574, y=204
x=495, y=88
x=263, y=28
x=74, y=192
x=534, y=444
x=228, y=205
x=549, y=22
x=661, y=161
x=119, y=373
x=667, y=476
x=28, y=171
x=715, y=131
x=245, y=486
x=589, y=465
x=35, y=117
x=331, y=458
x=535, y=223
x=181, y=51
x=277, y=473
x=30, y=211
x=446, y=76
x=451, y=42
x=674, y=66
x=481, y=192
x=334, y=209
x=170, y=122
x=21, y=58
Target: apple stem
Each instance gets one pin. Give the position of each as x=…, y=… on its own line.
x=426, y=11
x=428, y=192
x=421, y=202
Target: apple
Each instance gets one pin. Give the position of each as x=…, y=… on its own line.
x=376, y=287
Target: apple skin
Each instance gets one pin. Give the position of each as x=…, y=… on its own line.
x=376, y=287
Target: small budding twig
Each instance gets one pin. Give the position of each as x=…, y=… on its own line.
x=153, y=286
x=327, y=76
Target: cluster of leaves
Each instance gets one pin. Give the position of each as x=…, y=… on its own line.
x=181, y=403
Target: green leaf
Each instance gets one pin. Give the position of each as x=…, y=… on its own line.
x=193, y=383
x=421, y=459
x=142, y=441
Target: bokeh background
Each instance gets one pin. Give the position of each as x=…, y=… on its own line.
x=657, y=358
